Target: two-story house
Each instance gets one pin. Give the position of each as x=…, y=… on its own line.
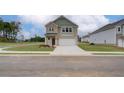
x=61, y=31
x=112, y=33
x=120, y=33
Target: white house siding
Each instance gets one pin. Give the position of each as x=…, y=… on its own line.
x=120, y=41
x=86, y=39
x=104, y=37
x=123, y=30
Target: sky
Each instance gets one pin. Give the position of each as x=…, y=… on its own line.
x=32, y=25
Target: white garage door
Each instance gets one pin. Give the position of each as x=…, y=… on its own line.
x=67, y=42
x=120, y=43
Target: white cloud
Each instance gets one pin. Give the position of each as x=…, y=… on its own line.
x=23, y=35
x=87, y=23
x=37, y=19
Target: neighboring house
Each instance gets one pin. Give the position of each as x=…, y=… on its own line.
x=112, y=33
x=85, y=38
x=104, y=35
x=61, y=31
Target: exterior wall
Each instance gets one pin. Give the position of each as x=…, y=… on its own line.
x=123, y=30
x=52, y=25
x=86, y=39
x=120, y=41
x=104, y=37
x=72, y=34
x=49, y=41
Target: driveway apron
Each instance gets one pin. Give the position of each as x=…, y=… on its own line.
x=69, y=50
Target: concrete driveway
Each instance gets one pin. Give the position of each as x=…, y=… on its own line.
x=69, y=50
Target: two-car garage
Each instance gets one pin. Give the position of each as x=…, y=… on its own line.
x=67, y=42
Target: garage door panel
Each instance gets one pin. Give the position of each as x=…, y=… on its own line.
x=120, y=42
x=67, y=42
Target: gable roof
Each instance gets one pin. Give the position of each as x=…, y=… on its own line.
x=60, y=18
x=63, y=17
x=86, y=36
x=108, y=26
x=104, y=28
x=50, y=23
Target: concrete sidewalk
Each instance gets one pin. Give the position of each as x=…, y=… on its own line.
x=69, y=50
x=104, y=52
x=23, y=52
x=26, y=52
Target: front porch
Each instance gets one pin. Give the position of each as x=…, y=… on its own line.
x=51, y=40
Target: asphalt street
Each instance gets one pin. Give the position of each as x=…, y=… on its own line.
x=61, y=66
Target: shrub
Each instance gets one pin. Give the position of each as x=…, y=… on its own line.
x=92, y=44
x=2, y=39
x=85, y=42
x=43, y=46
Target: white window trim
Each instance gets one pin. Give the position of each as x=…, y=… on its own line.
x=64, y=27
x=120, y=28
x=71, y=29
x=50, y=29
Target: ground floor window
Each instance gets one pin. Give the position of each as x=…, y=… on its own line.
x=48, y=38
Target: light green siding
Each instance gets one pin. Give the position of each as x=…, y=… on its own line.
x=63, y=22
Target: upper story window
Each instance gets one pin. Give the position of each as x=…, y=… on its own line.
x=51, y=29
x=67, y=29
x=70, y=29
x=63, y=29
x=119, y=29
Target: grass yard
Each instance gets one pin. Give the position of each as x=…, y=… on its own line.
x=108, y=53
x=23, y=54
x=98, y=47
x=30, y=48
x=2, y=44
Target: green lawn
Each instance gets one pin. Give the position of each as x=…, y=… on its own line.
x=108, y=53
x=2, y=44
x=30, y=48
x=97, y=47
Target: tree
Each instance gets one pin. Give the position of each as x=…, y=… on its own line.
x=37, y=39
x=9, y=30
x=1, y=26
x=15, y=28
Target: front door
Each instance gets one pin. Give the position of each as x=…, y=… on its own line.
x=53, y=41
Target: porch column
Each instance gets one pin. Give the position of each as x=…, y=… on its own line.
x=56, y=41
x=45, y=40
